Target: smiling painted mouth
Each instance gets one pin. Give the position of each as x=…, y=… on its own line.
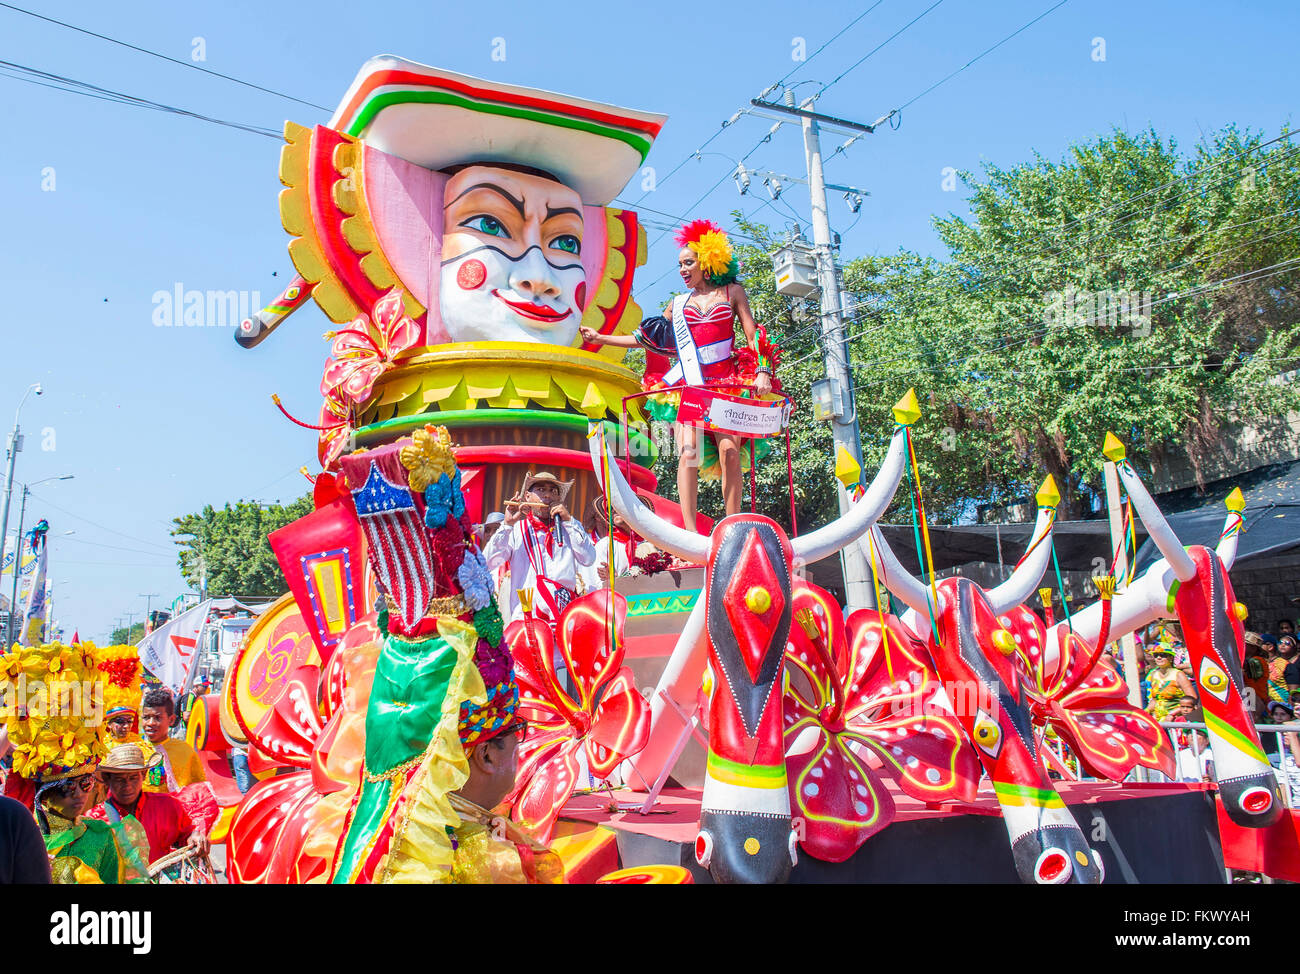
x=537, y=312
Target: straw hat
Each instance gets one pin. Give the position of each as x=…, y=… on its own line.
x=128, y=757
x=545, y=477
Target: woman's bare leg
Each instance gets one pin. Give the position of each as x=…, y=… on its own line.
x=688, y=473
x=732, y=482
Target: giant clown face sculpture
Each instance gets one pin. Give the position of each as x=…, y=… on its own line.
x=511, y=257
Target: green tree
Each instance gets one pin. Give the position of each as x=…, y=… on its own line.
x=127, y=637
x=229, y=545
x=1037, y=358
x=1127, y=287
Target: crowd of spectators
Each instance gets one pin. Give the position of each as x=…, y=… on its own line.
x=1271, y=673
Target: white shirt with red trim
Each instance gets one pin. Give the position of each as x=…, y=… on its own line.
x=525, y=550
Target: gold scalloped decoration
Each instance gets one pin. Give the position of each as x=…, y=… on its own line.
x=616, y=281
x=296, y=218
x=347, y=206
x=504, y=375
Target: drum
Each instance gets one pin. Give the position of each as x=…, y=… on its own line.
x=183, y=867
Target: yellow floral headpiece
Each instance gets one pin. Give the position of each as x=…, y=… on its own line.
x=52, y=700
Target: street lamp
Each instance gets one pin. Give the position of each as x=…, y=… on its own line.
x=15, y=444
x=18, y=552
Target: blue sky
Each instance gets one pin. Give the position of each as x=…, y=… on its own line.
x=155, y=422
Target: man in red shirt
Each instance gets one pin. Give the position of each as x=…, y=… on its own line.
x=165, y=822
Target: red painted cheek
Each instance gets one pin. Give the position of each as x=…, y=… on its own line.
x=580, y=296
x=471, y=275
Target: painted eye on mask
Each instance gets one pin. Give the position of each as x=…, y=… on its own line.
x=1214, y=679
x=987, y=734
x=486, y=224
x=568, y=243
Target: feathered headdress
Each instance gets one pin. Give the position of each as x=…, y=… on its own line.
x=712, y=249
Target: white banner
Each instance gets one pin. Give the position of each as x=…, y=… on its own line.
x=747, y=418
x=33, y=630
x=168, y=652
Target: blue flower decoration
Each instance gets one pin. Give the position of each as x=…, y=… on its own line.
x=444, y=499
x=476, y=580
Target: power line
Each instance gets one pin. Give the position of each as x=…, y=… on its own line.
x=1035, y=331
x=73, y=86
x=129, y=537
x=1021, y=256
x=100, y=544
x=864, y=57
x=990, y=50
x=164, y=57
x=703, y=145
x=860, y=61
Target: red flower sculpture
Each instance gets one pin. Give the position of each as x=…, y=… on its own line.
x=861, y=710
x=608, y=723
x=1083, y=699
x=367, y=347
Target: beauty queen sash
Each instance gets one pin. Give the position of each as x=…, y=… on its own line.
x=691, y=356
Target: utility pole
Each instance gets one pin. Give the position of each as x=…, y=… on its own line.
x=857, y=575
x=148, y=602
x=10, y=632
x=15, y=445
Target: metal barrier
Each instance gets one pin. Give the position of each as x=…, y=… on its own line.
x=1059, y=758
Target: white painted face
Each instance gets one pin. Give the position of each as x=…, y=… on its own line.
x=511, y=258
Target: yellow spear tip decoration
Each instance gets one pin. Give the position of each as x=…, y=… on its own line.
x=525, y=599
x=1236, y=501
x=1105, y=586
x=276, y=399
x=1048, y=495
x=1045, y=595
x=1112, y=449
x=807, y=621
x=907, y=410
x=847, y=470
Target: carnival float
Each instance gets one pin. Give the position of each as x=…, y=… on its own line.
x=721, y=721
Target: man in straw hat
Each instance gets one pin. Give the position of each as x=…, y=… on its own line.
x=166, y=823
x=543, y=545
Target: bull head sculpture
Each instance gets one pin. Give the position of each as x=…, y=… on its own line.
x=738, y=631
x=977, y=658
x=1192, y=584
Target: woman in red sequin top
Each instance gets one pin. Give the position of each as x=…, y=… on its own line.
x=710, y=312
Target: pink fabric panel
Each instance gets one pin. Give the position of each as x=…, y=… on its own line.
x=405, y=203
x=595, y=248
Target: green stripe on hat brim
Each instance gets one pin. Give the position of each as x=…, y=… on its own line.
x=377, y=103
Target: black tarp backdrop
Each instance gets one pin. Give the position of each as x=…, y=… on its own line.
x=1078, y=544
x=1272, y=522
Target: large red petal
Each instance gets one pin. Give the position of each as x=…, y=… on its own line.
x=583, y=632
x=533, y=647
x=548, y=788
x=620, y=727
x=839, y=800
x=269, y=828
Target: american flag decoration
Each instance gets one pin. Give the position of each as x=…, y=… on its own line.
x=393, y=520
